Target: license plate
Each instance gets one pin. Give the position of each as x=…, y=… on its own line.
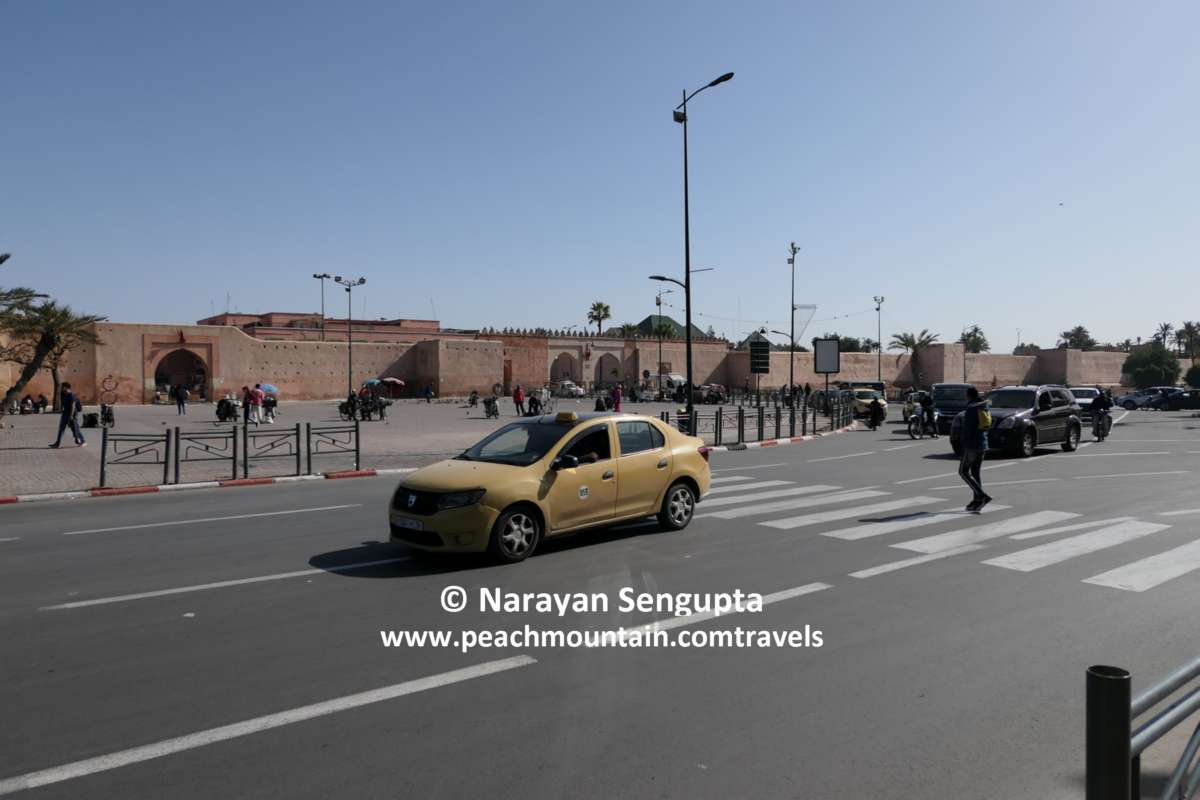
x=411, y=524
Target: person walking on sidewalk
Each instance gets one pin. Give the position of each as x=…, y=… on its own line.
x=69, y=417
x=245, y=405
x=256, y=403
x=519, y=400
x=181, y=400
x=976, y=421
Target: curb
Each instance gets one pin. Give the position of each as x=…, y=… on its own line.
x=117, y=491
x=779, y=442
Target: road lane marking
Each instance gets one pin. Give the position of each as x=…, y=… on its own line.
x=1078, y=526
x=900, y=447
x=848, y=513
x=123, y=758
x=982, y=533
x=755, y=466
x=11, y=539
x=745, y=486
x=200, y=587
x=1180, y=513
x=838, y=458
x=1147, y=573
x=1131, y=474
x=914, y=561
x=731, y=479
x=747, y=498
x=995, y=483
x=1045, y=555
x=788, y=505
x=952, y=474
x=1114, y=455
x=914, y=520
x=211, y=519
x=671, y=623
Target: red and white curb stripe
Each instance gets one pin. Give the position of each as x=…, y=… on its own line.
x=176, y=487
x=778, y=442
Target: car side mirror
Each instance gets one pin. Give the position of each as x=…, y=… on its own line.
x=564, y=462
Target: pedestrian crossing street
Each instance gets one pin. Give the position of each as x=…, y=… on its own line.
x=942, y=529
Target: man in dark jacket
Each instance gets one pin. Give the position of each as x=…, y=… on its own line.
x=974, y=447
x=69, y=417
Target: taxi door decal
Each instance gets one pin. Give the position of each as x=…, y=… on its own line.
x=583, y=493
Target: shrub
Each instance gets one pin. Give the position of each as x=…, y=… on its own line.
x=1155, y=366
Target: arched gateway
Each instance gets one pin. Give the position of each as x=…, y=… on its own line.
x=182, y=367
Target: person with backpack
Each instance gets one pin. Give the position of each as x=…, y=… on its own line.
x=976, y=421
x=69, y=413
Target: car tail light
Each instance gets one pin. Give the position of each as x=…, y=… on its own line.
x=704, y=453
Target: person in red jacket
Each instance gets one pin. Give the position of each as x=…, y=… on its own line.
x=519, y=400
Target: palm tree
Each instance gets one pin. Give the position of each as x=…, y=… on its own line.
x=913, y=343
x=869, y=345
x=629, y=330
x=1164, y=332
x=974, y=340
x=1191, y=335
x=1078, y=338
x=40, y=336
x=598, y=313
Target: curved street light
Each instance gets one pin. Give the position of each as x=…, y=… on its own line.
x=349, y=283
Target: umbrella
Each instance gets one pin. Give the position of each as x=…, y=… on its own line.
x=269, y=388
x=372, y=382
x=396, y=381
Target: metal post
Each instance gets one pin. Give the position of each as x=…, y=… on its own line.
x=177, y=454
x=1108, y=734
x=233, y=452
x=693, y=427
x=103, y=454
x=687, y=260
x=792, y=420
x=717, y=426
x=879, y=341
x=741, y=424
x=349, y=341
x=166, y=457
x=357, y=447
x=299, y=462
x=760, y=423
x=308, y=445
x=245, y=451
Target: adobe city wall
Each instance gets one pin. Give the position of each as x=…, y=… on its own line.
x=123, y=369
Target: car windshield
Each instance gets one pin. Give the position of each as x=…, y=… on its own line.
x=1085, y=394
x=519, y=444
x=1011, y=398
x=957, y=394
x=867, y=394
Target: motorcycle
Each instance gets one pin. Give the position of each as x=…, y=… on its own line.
x=917, y=425
x=874, y=418
x=1101, y=425
x=490, y=408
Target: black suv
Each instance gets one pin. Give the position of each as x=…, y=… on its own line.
x=948, y=400
x=1024, y=417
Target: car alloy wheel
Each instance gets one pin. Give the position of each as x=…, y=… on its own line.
x=1071, y=443
x=678, y=507
x=1028, y=443
x=1129, y=405
x=515, y=535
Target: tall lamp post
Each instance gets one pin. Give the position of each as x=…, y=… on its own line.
x=322, y=277
x=658, y=334
x=680, y=116
x=879, y=337
x=349, y=283
x=792, y=250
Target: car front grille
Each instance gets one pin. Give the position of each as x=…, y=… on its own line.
x=423, y=538
x=423, y=503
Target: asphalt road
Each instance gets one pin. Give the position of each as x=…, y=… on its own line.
x=223, y=643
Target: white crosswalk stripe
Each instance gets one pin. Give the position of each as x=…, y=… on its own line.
x=763, y=507
x=731, y=479
x=789, y=505
x=914, y=561
x=1147, y=573
x=1064, y=549
x=1078, y=526
x=914, y=520
x=749, y=487
x=848, y=513
x=982, y=533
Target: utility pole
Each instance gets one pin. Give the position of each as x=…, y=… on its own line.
x=879, y=337
x=792, y=250
x=349, y=283
x=322, y=277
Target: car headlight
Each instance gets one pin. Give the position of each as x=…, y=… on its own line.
x=1007, y=422
x=460, y=499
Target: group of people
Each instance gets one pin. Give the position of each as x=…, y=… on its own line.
x=526, y=406
x=258, y=406
x=29, y=405
x=366, y=403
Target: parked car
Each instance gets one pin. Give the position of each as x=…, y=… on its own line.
x=1144, y=398
x=948, y=400
x=713, y=393
x=1162, y=400
x=1184, y=400
x=1024, y=417
x=1084, y=395
x=567, y=388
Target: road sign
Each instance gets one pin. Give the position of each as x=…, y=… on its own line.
x=827, y=359
x=760, y=357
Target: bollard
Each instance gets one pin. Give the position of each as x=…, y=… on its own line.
x=1108, y=734
x=778, y=417
x=103, y=455
x=717, y=426
x=741, y=424
x=760, y=424
x=177, y=454
x=792, y=420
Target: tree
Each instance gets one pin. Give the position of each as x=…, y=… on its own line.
x=599, y=313
x=1193, y=377
x=1077, y=338
x=846, y=344
x=974, y=340
x=1026, y=349
x=629, y=330
x=913, y=343
x=1156, y=366
x=869, y=345
x=39, y=337
x=1163, y=333
x=1191, y=337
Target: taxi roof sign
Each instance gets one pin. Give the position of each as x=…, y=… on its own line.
x=566, y=416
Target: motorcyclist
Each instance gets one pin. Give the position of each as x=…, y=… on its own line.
x=927, y=413
x=1101, y=405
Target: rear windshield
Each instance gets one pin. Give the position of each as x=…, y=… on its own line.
x=1086, y=394
x=1011, y=398
x=956, y=394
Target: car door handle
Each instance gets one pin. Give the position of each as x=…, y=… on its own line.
x=607, y=475
x=663, y=464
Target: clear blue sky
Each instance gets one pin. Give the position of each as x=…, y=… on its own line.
x=1022, y=164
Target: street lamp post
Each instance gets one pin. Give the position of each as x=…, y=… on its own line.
x=680, y=116
x=349, y=283
x=658, y=333
x=879, y=338
x=322, y=277
x=793, y=250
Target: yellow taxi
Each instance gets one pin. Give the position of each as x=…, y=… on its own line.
x=547, y=475
x=862, y=401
